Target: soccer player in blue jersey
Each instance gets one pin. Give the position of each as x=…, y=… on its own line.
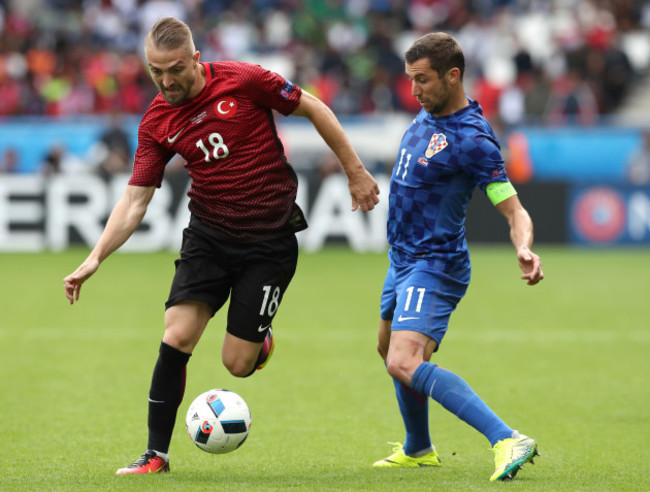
x=448, y=149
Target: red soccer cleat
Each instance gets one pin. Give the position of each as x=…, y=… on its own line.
x=149, y=462
x=266, y=352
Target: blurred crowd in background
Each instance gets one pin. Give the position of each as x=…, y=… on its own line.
x=528, y=61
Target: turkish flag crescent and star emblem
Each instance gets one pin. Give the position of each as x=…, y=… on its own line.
x=436, y=144
x=225, y=108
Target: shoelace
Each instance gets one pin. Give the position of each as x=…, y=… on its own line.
x=145, y=458
x=397, y=446
x=501, y=451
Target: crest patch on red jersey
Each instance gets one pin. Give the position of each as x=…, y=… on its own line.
x=436, y=144
x=286, y=89
x=225, y=108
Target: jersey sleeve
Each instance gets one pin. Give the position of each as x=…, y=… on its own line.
x=271, y=90
x=482, y=161
x=150, y=159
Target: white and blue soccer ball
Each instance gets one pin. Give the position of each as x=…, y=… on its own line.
x=218, y=421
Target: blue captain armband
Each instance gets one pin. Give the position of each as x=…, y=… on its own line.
x=498, y=191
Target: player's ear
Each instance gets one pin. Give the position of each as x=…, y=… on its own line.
x=453, y=75
x=195, y=58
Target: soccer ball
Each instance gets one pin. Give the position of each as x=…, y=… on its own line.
x=218, y=421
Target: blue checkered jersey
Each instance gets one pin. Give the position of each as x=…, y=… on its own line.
x=439, y=163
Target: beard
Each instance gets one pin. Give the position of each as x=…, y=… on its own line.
x=441, y=103
x=175, y=94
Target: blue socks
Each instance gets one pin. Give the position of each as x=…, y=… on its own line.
x=414, y=408
x=454, y=394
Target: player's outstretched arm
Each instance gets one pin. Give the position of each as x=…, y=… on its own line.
x=123, y=221
x=521, y=235
x=363, y=187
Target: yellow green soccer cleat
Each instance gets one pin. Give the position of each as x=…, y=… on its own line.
x=510, y=455
x=399, y=458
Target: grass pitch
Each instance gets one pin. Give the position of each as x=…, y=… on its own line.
x=564, y=362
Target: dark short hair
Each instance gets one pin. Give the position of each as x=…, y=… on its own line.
x=442, y=51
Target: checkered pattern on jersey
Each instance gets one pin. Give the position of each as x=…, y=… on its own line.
x=440, y=162
x=241, y=183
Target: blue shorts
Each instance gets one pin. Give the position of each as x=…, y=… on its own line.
x=419, y=296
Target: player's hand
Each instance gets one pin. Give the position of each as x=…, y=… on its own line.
x=72, y=283
x=531, y=265
x=364, y=191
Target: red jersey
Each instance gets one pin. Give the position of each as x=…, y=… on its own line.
x=242, y=186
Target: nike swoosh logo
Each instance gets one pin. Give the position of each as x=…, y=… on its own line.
x=263, y=328
x=406, y=318
x=155, y=401
x=172, y=139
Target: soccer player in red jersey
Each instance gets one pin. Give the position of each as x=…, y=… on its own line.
x=240, y=242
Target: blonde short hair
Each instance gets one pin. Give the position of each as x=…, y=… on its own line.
x=169, y=34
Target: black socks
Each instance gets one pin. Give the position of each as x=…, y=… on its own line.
x=165, y=395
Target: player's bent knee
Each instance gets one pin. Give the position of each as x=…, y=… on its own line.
x=399, y=369
x=393, y=368
x=238, y=367
x=180, y=342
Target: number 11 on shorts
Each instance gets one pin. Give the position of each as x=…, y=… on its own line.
x=409, y=296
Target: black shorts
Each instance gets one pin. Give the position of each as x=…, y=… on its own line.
x=254, y=276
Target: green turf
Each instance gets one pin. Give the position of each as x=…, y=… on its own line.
x=565, y=362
